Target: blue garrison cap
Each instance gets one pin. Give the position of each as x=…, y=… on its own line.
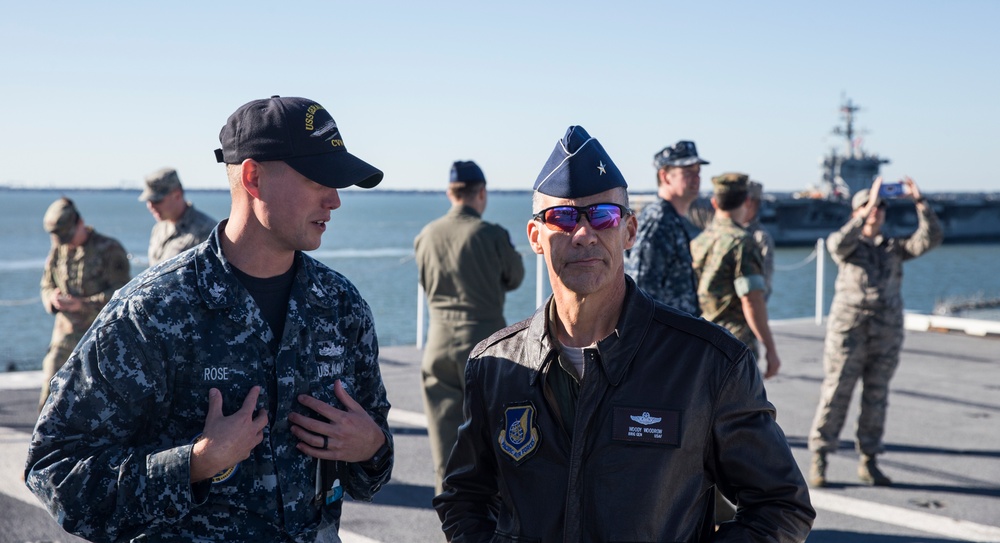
x=578, y=167
x=466, y=171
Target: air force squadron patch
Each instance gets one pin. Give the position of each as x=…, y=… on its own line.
x=519, y=436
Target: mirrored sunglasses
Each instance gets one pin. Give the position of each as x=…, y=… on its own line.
x=565, y=218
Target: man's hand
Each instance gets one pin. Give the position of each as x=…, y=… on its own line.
x=351, y=435
x=911, y=187
x=773, y=364
x=66, y=303
x=226, y=441
x=873, y=197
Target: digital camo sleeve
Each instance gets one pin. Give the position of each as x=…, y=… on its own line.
x=369, y=392
x=89, y=462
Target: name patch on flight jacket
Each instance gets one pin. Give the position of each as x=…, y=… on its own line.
x=519, y=437
x=641, y=425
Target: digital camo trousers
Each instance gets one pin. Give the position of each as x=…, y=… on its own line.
x=865, y=345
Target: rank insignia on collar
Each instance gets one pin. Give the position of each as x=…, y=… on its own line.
x=519, y=436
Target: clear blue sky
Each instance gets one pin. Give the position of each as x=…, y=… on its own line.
x=101, y=93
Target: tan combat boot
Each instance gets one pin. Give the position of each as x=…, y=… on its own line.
x=869, y=473
x=817, y=471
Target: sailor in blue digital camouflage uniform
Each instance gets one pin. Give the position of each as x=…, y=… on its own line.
x=660, y=261
x=232, y=393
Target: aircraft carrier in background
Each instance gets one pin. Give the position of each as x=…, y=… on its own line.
x=801, y=218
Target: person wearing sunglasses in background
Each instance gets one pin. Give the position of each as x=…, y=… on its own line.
x=608, y=416
x=660, y=261
x=465, y=266
x=864, y=331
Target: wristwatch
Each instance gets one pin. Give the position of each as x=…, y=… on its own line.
x=378, y=462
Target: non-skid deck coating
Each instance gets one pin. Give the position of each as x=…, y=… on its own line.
x=943, y=441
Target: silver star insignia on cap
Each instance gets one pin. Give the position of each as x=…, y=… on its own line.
x=600, y=167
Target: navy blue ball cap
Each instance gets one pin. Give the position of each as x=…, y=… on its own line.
x=466, y=171
x=578, y=167
x=683, y=153
x=299, y=132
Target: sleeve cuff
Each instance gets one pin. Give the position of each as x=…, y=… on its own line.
x=169, y=480
x=749, y=283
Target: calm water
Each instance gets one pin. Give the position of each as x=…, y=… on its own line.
x=370, y=241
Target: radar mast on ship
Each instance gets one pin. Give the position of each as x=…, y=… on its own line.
x=855, y=169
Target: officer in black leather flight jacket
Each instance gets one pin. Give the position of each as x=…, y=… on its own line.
x=608, y=416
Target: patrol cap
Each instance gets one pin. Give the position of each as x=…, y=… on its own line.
x=159, y=184
x=755, y=190
x=61, y=219
x=682, y=153
x=466, y=171
x=299, y=132
x=860, y=199
x=578, y=167
x=730, y=182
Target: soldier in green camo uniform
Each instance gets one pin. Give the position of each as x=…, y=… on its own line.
x=466, y=266
x=761, y=237
x=660, y=260
x=82, y=272
x=865, y=327
x=232, y=393
x=731, y=284
x=730, y=271
x=179, y=226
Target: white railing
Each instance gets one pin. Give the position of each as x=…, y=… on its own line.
x=820, y=265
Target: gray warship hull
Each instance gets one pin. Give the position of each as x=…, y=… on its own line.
x=965, y=218
x=801, y=219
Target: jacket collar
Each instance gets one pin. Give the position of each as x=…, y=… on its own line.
x=461, y=209
x=618, y=350
x=220, y=288
x=727, y=222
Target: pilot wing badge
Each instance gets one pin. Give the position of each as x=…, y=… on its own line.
x=646, y=419
x=519, y=436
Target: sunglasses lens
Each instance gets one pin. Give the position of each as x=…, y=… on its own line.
x=604, y=216
x=562, y=218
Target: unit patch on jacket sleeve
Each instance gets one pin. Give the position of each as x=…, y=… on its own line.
x=519, y=435
x=640, y=425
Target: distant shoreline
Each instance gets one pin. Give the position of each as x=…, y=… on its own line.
x=777, y=194
x=226, y=190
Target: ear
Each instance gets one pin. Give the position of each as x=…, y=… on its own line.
x=250, y=177
x=533, y=232
x=661, y=176
x=631, y=229
x=715, y=204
